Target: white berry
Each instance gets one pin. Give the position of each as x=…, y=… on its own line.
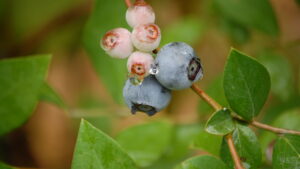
x=139, y=64
x=117, y=43
x=146, y=37
x=140, y=13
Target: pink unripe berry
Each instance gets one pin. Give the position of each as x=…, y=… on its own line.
x=140, y=13
x=117, y=43
x=146, y=37
x=139, y=64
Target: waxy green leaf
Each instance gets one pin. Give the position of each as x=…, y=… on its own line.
x=106, y=15
x=286, y=153
x=246, y=84
x=203, y=162
x=20, y=83
x=146, y=143
x=95, y=150
x=220, y=123
x=247, y=147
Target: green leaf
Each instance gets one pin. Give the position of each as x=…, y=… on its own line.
x=47, y=93
x=257, y=14
x=107, y=15
x=247, y=147
x=188, y=29
x=203, y=162
x=96, y=150
x=286, y=153
x=20, y=83
x=208, y=142
x=147, y=142
x=220, y=123
x=246, y=84
x=280, y=72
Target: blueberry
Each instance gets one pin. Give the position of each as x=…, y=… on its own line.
x=149, y=97
x=179, y=66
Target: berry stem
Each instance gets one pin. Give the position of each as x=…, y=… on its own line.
x=268, y=127
x=206, y=97
x=128, y=3
x=217, y=106
x=274, y=129
x=237, y=161
x=254, y=123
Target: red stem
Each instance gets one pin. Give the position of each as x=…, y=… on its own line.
x=234, y=154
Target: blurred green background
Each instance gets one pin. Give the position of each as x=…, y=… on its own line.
x=89, y=83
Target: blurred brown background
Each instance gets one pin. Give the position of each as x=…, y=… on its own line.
x=55, y=26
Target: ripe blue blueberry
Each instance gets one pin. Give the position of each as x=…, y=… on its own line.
x=179, y=66
x=149, y=97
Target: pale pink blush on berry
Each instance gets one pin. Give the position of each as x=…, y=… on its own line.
x=139, y=63
x=146, y=37
x=140, y=13
x=117, y=43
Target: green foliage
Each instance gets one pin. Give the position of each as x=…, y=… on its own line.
x=188, y=30
x=182, y=138
x=96, y=150
x=25, y=20
x=147, y=142
x=2, y=9
x=280, y=72
x=47, y=93
x=257, y=14
x=220, y=123
x=179, y=146
x=20, y=83
x=247, y=147
x=203, y=162
x=246, y=84
x=277, y=109
x=106, y=16
x=208, y=142
x=286, y=154
x=288, y=119
x=102, y=123
x=237, y=32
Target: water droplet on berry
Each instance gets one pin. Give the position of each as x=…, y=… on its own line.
x=154, y=69
x=135, y=80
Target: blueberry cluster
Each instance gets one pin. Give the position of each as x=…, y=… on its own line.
x=176, y=65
